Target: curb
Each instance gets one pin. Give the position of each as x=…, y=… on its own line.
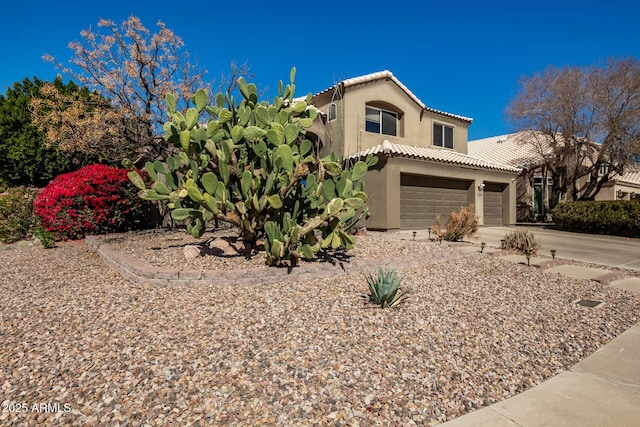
x=612, y=276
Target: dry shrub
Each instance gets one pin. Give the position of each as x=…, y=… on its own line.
x=458, y=224
x=521, y=240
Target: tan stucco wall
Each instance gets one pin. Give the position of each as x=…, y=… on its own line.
x=610, y=192
x=346, y=135
x=383, y=187
x=606, y=193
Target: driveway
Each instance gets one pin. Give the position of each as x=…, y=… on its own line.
x=605, y=250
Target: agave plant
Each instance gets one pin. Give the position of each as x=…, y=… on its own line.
x=384, y=289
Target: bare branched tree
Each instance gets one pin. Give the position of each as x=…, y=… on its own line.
x=584, y=123
x=134, y=69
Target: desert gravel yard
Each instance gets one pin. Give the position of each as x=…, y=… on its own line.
x=81, y=345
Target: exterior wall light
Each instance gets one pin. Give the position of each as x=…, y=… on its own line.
x=481, y=186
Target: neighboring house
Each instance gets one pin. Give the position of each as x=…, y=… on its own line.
x=625, y=187
x=533, y=183
x=423, y=169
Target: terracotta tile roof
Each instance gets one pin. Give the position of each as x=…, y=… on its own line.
x=436, y=155
x=380, y=75
x=510, y=150
x=506, y=149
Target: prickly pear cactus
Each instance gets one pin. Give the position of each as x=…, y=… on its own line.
x=250, y=165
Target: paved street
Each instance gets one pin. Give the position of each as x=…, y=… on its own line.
x=605, y=250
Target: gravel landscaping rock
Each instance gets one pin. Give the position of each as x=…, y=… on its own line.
x=476, y=330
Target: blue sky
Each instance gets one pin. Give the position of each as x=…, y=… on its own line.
x=461, y=57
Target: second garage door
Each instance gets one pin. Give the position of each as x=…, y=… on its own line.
x=423, y=197
x=493, y=203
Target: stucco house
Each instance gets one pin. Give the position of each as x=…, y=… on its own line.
x=533, y=198
x=424, y=168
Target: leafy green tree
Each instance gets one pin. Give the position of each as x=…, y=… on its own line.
x=24, y=157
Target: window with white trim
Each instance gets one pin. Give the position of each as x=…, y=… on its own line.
x=442, y=135
x=333, y=112
x=381, y=121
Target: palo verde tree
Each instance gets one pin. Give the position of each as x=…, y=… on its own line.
x=251, y=166
x=25, y=157
x=134, y=69
x=584, y=123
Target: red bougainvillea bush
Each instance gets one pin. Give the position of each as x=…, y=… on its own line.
x=96, y=199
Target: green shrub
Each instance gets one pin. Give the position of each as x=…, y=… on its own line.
x=521, y=240
x=44, y=236
x=16, y=214
x=458, y=224
x=384, y=289
x=609, y=217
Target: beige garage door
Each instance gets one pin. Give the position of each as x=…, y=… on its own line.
x=423, y=197
x=493, y=208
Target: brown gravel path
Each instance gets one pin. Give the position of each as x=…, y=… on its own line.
x=476, y=330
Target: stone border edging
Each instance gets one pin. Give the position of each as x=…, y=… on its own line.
x=142, y=273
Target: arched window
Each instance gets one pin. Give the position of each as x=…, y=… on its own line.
x=333, y=112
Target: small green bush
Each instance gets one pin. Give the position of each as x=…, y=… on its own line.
x=44, y=236
x=609, y=217
x=16, y=214
x=458, y=224
x=521, y=240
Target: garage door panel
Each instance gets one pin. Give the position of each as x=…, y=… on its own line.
x=493, y=207
x=422, y=198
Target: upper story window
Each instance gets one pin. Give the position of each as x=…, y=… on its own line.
x=381, y=121
x=442, y=135
x=333, y=112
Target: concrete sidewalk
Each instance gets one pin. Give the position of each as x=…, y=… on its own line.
x=601, y=390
